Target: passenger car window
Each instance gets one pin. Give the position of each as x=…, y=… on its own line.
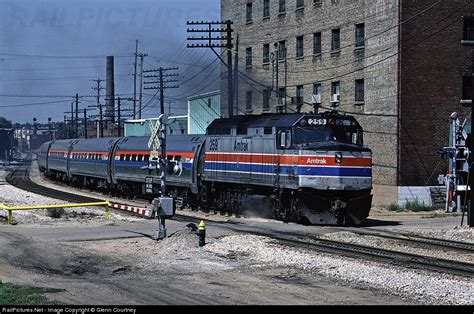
x=134, y=157
x=140, y=157
x=122, y=157
x=127, y=158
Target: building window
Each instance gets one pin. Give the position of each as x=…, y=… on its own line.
x=266, y=8
x=317, y=3
x=282, y=50
x=299, y=4
x=282, y=6
x=266, y=99
x=359, y=91
x=468, y=26
x=282, y=92
x=360, y=35
x=317, y=89
x=242, y=130
x=467, y=88
x=266, y=53
x=336, y=40
x=249, y=11
x=336, y=92
x=299, y=47
x=317, y=44
x=248, y=57
x=299, y=97
x=248, y=101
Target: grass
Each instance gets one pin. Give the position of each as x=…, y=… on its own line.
x=21, y=295
x=411, y=206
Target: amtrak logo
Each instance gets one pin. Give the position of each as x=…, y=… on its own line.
x=316, y=161
x=241, y=146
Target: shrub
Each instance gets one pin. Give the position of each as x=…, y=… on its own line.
x=411, y=206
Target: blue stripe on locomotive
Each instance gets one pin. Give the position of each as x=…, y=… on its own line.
x=293, y=170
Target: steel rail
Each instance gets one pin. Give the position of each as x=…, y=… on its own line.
x=414, y=238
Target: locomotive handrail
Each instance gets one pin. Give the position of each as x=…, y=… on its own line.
x=11, y=209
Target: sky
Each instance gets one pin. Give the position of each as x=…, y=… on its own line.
x=52, y=49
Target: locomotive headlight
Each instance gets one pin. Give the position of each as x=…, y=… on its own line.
x=338, y=158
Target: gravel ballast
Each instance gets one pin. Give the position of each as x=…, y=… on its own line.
x=422, y=286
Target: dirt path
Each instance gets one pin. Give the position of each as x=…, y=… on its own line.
x=138, y=270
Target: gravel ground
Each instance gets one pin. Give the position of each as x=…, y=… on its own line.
x=426, y=287
x=400, y=246
x=180, y=254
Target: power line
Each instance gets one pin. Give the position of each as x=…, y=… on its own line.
x=60, y=68
x=35, y=104
x=58, y=57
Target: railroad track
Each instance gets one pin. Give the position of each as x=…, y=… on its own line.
x=20, y=178
x=410, y=237
x=404, y=259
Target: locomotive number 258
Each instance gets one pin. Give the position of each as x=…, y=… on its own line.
x=213, y=145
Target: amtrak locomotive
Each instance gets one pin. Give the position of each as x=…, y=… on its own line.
x=311, y=167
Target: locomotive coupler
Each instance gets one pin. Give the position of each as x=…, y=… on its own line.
x=337, y=206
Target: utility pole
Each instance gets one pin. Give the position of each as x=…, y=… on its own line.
x=64, y=129
x=162, y=83
x=277, y=90
x=210, y=43
x=99, y=106
x=118, y=115
x=286, y=81
x=85, y=123
x=135, y=82
x=236, y=75
x=72, y=120
x=141, y=55
x=76, y=130
x=169, y=107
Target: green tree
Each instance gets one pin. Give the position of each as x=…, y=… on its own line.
x=4, y=123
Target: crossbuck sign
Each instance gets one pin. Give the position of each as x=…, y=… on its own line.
x=154, y=141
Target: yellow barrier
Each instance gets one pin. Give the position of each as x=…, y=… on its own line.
x=10, y=209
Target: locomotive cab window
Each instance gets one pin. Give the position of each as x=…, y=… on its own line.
x=283, y=139
x=341, y=131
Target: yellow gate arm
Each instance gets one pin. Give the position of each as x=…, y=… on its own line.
x=10, y=209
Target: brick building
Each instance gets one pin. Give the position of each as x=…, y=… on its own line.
x=398, y=66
